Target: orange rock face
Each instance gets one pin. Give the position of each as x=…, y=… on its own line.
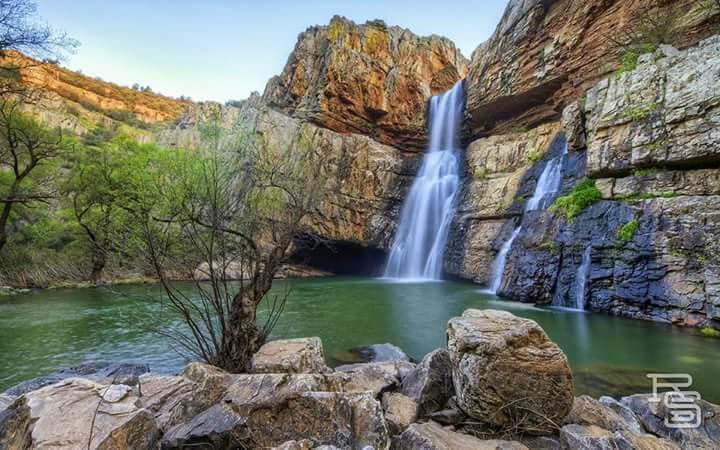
x=95, y=94
x=545, y=53
x=368, y=79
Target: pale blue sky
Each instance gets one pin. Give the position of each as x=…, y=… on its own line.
x=218, y=50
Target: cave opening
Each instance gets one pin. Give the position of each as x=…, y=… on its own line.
x=339, y=257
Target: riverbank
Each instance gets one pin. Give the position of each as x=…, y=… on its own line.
x=499, y=383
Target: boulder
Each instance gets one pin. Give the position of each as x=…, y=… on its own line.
x=396, y=369
x=588, y=411
x=632, y=423
x=303, y=355
x=101, y=371
x=507, y=372
x=400, y=411
x=431, y=436
x=105, y=416
x=373, y=353
x=591, y=437
x=430, y=383
x=267, y=410
x=364, y=378
x=652, y=414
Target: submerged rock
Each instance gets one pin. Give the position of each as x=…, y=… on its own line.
x=507, y=372
x=102, y=371
x=431, y=436
x=430, y=383
x=372, y=353
x=303, y=355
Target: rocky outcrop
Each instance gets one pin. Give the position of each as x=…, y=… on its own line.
x=431, y=436
x=365, y=181
x=370, y=79
x=507, y=372
x=545, y=54
x=492, y=353
x=303, y=355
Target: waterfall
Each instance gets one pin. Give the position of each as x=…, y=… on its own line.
x=547, y=185
x=581, y=279
x=499, y=265
x=549, y=182
x=419, y=246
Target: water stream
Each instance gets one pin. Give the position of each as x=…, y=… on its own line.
x=581, y=278
x=419, y=246
x=547, y=186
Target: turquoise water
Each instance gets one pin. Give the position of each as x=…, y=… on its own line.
x=46, y=330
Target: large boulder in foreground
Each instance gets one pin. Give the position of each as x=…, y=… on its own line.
x=78, y=413
x=430, y=383
x=303, y=355
x=431, y=436
x=507, y=372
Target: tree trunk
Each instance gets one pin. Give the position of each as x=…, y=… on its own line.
x=99, y=260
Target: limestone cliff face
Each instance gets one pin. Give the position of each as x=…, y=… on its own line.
x=368, y=79
x=366, y=181
x=546, y=53
x=651, y=140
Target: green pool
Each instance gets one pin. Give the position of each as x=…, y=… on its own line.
x=46, y=330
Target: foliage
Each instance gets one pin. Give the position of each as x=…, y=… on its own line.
x=710, y=332
x=584, y=195
x=627, y=231
x=549, y=246
x=238, y=202
x=27, y=151
x=639, y=113
x=534, y=156
x=646, y=196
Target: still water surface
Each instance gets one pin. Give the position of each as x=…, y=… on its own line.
x=43, y=331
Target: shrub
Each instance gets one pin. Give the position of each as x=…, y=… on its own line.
x=584, y=195
x=627, y=231
x=710, y=332
x=534, y=156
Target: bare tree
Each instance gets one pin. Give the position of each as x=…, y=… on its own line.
x=20, y=31
x=25, y=147
x=240, y=207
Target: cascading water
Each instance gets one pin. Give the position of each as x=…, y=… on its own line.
x=581, y=279
x=547, y=186
x=419, y=246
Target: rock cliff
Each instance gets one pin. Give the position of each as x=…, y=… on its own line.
x=650, y=140
x=370, y=79
x=545, y=53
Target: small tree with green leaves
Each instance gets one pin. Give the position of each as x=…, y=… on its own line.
x=26, y=152
x=238, y=203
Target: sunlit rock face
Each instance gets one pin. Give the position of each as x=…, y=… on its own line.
x=371, y=79
x=365, y=181
x=546, y=53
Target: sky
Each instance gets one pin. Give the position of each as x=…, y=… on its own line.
x=221, y=50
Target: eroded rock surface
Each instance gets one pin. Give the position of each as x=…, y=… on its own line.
x=507, y=372
x=370, y=79
x=431, y=436
x=430, y=383
x=303, y=355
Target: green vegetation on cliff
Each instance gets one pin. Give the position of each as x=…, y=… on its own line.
x=584, y=195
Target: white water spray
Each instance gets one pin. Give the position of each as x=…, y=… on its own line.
x=419, y=246
x=581, y=279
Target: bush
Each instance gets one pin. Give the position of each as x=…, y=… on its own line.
x=627, y=231
x=584, y=195
x=710, y=332
x=534, y=156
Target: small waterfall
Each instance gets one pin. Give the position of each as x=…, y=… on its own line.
x=499, y=265
x=419, y=246
x=548, y=184
x=581, y=279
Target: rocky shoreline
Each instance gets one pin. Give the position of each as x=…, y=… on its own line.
x=500, y=383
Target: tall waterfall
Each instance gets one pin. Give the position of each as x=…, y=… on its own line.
x=547, y=186
x=419, y=246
